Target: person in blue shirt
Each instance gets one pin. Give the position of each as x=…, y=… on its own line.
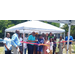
x=31, y=39
x=70, y=42
x=16, y=42
x=40, y=47
x=7, y=44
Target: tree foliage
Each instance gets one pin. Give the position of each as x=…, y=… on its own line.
x=52, y=23
x=4, y=24
x=72, y=32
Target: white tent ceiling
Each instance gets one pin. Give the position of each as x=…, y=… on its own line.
x=71, y=22
x=36, y=26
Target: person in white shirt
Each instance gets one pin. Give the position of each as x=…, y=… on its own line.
x=7, y=44
x=25, y=45
x=51, y=46
x=21, y=45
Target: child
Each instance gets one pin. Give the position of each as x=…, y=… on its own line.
x=40, y=47
x=51, y=46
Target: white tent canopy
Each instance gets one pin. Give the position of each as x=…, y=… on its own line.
x=71, y=22
x=36, y=26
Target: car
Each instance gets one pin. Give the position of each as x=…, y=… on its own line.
x=1, y=42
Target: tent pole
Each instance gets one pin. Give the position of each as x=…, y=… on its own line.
x=39, y=32
x=68, y=38
x=57, y=35
x=23, y=40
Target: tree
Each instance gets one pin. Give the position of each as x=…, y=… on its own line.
x=52, y=23
x=4, y=24
x=72, y=31
x=55, y=24
x=17, y=21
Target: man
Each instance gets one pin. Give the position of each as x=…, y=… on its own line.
x=50, y=36
x=31, y=39
x=7, y=44
x=16, y=42
x=70, y=42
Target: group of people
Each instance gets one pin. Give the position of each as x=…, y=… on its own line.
x=37, y=43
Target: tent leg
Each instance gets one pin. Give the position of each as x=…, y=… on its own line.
x=5, y=34
x=68, y=38
x=57, y=35
x=23, y=40
x=39, y=32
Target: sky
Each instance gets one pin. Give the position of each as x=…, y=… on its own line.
x=61, y=24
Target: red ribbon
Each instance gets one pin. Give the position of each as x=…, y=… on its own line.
x=40, y=44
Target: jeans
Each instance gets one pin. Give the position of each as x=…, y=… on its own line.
x=30, y=49
x=8, y=52
x=21, y=49
x=25, y=51
x=54, y=48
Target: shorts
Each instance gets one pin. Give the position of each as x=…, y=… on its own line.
x=40, y=49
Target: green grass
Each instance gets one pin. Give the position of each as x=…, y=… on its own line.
x=1, y=50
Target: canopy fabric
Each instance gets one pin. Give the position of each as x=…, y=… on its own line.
x=71, y=22
x=36, y=26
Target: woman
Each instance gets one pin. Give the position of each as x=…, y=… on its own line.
x=25, y=45
x=47, y=34
x=46, y=47
x=7, y=44
x=21, y=45
x=54, y=45
x=51, y=46
x=61, y=45
x=40, y=47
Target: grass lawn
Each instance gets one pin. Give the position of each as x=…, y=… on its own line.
x=1, y=50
